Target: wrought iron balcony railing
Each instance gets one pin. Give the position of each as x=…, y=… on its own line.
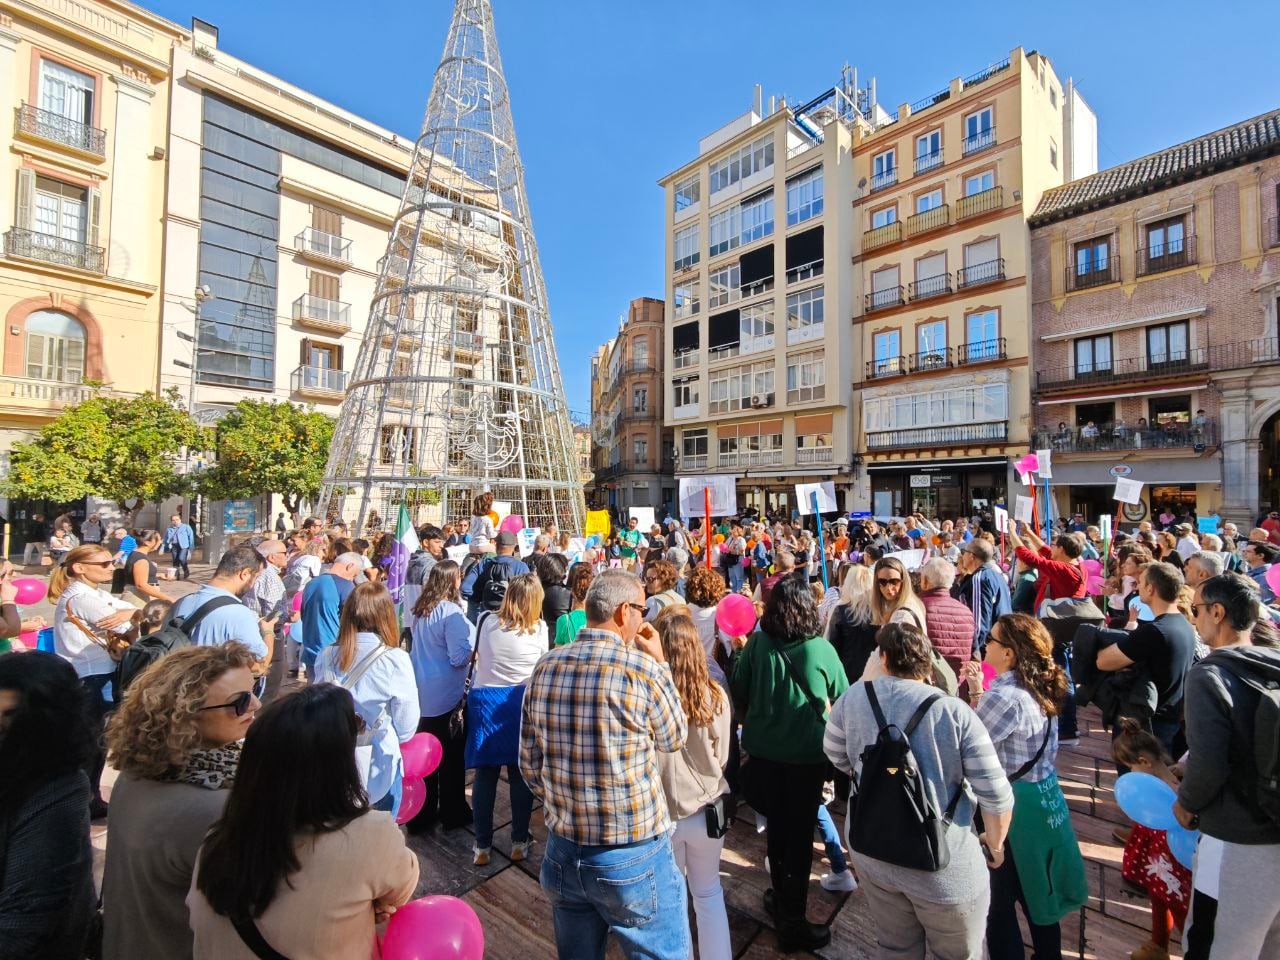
x=980, y=273
x=31, y=121
x=884, y=179
x=980, y=351
x=980, y=141
x=1235, y=355
x=926, y=360
x=30, y=245
x=883, y=299
x=927, y=161
x=1122, y=437
x=886, y=367
x=929, y=287
x=924, y=103
x=319, y=380
x=977, y=203
x=1095, y=273
x=969, y=433
x=1159, y=257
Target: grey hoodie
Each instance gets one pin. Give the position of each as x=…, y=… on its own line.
x=1220, y=770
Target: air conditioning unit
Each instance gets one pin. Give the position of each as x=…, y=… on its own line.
x=760, y=400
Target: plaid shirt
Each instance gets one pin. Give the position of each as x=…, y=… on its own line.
x=1015, y=722
x=596, y=715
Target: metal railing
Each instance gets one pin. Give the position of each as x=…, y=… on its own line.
x=34, y=122
x=885, y=179
x=763, y=285
x=321, y=244
x=1098, y=274
x=693, y=463
x=886, y=367
x=325, y=379
x=977, y=203
x=939, y=436
x=330, y=314
x=938, y=216
x=641, y=366
x=925, y=360
x=1159, y=257
x=985, y=74
x=980, y=273
x=810, y=455
x=927, y=161
x=805, y=271
x=882, y=299
x=1121, y=436
x=980, y=351
x=924, y=103
x=683, y=359
x=751, y=458
x=30, y=245
x=929, y=287
x=879, y=236
x=472, y=343
x=1234, y=355
x=980, y=141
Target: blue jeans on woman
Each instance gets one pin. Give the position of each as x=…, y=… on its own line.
x=736, y=574
x=627, y=890
x=831, y=840
x=484, y=792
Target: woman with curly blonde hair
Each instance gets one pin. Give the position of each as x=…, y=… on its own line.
x=176, y=742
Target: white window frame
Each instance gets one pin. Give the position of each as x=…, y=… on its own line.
x=804, y=196
x=931, y=338
x=686, y=246
x=55, y=348
x=884, y=163
x=805, y=315
x=933, y=142
x=884, y=216
x=891, y=342
x=724, y=231
x=989, y=319
x=725, y=285
x=978, y=128
x=691, y=440
x=755, y=327
x=756, y=218
x=933, y=195
x=741, y=164
x=687, y=299
x=955, y=406
x=806, y=376
x=987, y=177
x=61, y=213
x=66, y=92
x=687, y=192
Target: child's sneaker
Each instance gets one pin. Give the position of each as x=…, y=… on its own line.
x=842, y=882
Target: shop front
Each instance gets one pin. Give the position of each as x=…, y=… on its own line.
x=775, y=494
x=941, y=489
x=1186, y=486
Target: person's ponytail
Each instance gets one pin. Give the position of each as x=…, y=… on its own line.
x=61, y=577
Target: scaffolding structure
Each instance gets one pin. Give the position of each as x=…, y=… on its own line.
x=457, y=388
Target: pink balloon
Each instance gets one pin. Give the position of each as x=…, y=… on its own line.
x=297, y=602
x=1028, y=464
x=736, y=615
x=513, y=523
x=413, y=794
x=434, y=928
x=30, y=590
x=29, y=639
x=1094, y=585
x=988, y=675
x=1273, y=578
x=1092, y=567
x=421, y=756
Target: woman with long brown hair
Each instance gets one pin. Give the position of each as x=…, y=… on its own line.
x=366, y=660
x=1020, y=710
x=443, y=640
x=694, y=777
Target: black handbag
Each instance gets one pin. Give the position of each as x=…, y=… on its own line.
x=720, y=814
x=458, y=715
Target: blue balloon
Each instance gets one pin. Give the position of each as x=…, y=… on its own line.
x=1182, y=844
x=1147, y=800
x=915, y=533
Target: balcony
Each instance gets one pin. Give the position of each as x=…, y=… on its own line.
x=1159, y=257
x=805, y=271
x=985, y=74
x=924, y=103
x=886, y=367
x=32, y=123
x=806, y=456
x=929, y=287
x=879, y=236
x=927, y=360
x=755, y=287
x=325, y=247
x=641, y=366
x=969, y=433
x=980, y=273
x=648, y=413
x=318, y=313
x=883, y=299
x=977, y=203
x=1235, y=355
x=751, y=458
x=45, y=248
x=684, y=359
x=1121, y=437
x=879, y=181
x=928, y=161
x=726, y=351
x=939, y=216
x=684, y=411
x=980, y=351
x=31, y=394
x=1096, y=273
x=463, y=342
x=320, y=383
x=980, y=141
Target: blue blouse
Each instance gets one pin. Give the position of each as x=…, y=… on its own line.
x=442, y=644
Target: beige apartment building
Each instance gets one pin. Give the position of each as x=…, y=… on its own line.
x=634, y=463
x=941, y=316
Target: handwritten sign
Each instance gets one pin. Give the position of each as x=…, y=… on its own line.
x=1128, y=491
x=826, y=491
x=1043, y=459
x=1022, y=509
x=724, y=496
x=643, y=517
x=1002, y=519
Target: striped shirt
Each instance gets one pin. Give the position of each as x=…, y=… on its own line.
x=1016, y=725
x=596, y=715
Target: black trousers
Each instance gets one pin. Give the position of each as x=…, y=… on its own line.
x=790, y=793
x=446, y=788
x=1004, y=938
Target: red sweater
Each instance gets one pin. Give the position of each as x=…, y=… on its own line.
x=1057, y=580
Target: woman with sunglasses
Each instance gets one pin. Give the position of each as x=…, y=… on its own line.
x=176, y=741
x=91, y=628
x=298, y=861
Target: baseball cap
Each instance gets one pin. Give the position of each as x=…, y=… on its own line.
x=506, y=539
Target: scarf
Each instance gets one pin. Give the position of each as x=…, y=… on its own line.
x=213, y=768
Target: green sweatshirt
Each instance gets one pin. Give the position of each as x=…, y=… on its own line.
x=778, y=721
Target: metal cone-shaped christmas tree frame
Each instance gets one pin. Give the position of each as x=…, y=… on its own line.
x=457, y=389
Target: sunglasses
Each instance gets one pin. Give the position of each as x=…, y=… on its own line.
x=240, y=704
x=638, y=607
x=886, y=580
x=98, y=563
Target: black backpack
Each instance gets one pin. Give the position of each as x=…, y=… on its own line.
x=172, y=636
x=491, y=584
x=891, y=817
x=1264, y=678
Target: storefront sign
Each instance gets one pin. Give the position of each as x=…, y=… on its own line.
x=239, y=516
x=922, y=480
x=1121, y=470
x=1134, y=512
x=919, y=480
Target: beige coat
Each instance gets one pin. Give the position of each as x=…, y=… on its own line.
x=694, y=776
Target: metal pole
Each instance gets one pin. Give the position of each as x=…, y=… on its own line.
x=706, y=500
x=822, y=547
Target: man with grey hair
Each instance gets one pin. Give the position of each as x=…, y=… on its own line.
x=541, y=543
x=679, y=558
x=1201, y=566
x=984, y=590
x=322, y=600
x=947, y=621
x=596, y=714
x=266, y=599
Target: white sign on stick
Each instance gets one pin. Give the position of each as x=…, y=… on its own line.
x=527, y=536
x=826, y=491
x=1104, y=522
x=457, y=554
x=911, y=559
x=643, y=517
x=724, y=496
x=1002, y=519
x=502, y=508
x=1046, y=467
x=1128, y=491
x=1022, y=509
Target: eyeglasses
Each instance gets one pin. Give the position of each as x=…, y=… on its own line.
x=888, y=580
x=638, y=607
x=1196, y=608
x=240, y=704
x=98, y=563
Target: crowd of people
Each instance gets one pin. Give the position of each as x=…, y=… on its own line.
x=924, y=673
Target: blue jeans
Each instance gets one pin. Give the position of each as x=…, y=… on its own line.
x=181, y=558
x=1067, y=727
x=737, y=574
x=831, y=840
x=483, y=793
x=595, y=891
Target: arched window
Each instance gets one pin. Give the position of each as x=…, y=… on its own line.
x=55, y=347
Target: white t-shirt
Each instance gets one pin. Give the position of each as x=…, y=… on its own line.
x=507, y=658
x=71, y=643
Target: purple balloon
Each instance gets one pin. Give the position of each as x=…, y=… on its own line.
x=434, y=928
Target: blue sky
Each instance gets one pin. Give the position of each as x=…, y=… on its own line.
x=609, y=96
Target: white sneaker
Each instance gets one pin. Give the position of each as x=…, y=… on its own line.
x=762, y=822
x=1069, y=741
x=842, y=882
x=520, y=851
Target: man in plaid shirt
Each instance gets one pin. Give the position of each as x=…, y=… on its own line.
x=596, y=714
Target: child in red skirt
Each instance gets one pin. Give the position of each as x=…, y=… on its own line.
x=1148, y=862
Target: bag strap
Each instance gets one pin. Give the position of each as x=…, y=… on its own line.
x=799, y=682
x=194, y=620
x=475, y=654
x=874, y=701
x=254, y=940
x=921, y=710
x=1026, y=767
x=361, y=668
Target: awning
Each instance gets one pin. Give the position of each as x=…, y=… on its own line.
x=1073, y=397
x=918, y=464
x=1150, y=471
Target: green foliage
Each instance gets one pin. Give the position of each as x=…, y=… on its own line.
x=116, y=448
x=267, y=447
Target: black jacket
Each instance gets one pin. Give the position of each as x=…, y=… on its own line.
x=1117, y=693
x=556, y=601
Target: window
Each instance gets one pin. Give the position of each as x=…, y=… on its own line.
x=686, y=298
x=979, y=183
x=686, y=246
x=640, y=450
x=928, y=151
x=804, y=315
x=804, y=196
x=757, y=217
x=883, y=217
x=1053, y=97
x=1167, y=344
x=1166, y=411
x=888, y=350
x=55, y=347
x=931, y=342
x=1093, y=256
x=640, y=351
x=640, y=400
x=66, y=92
x=398, y=445
x=687, y=192
x=973, y=403
x=885, y=289
x=693, y=443
x=981, y=331
x=929, y=201
x=1093, y=355
x=1053, y=154
x=725, y=230
x=60, y=210
x=756, y=327
x=1166, y=239
x=884, y=169
x=1102, y=414
x=741, y=164
x=979, y=130
x=684, y=393
x=725, y=285
x=742, y=387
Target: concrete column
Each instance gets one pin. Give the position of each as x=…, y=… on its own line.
x=132, y=217
x=1239, y=459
